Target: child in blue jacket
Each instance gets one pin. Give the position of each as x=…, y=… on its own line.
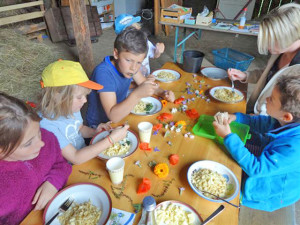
x=273, y=177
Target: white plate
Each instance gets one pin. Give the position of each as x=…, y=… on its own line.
x=131, y=136
x=186, y=207
x=214, y=73
x=157, y=106
x=232, y=181
x=212, y=92
x=156, y=72
x=82, y=192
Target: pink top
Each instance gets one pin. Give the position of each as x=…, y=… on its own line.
x=19, y=180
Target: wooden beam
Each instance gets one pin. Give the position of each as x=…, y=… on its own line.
x=157, y=26
x=27, y=29
x=21, y=17
x=21, y=6
x=82, y=35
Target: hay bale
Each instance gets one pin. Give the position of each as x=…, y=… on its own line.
x=21, y=64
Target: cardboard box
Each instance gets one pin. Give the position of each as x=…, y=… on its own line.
x=175, y=14
x=204, y=21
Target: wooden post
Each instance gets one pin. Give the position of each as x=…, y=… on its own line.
x=82, y=35
x=157, y=26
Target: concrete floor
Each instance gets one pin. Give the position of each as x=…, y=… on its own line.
x=209, y=41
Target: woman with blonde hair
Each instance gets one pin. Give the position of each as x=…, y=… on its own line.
x=279, y=34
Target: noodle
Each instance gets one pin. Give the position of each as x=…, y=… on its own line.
x=142, y=107
x=210, y=181
x=81, y=214
x=227, y=95
x=166, y=75
x=118, y=148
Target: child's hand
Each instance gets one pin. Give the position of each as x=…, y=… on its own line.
x=146, y=89
x=160, y=48
x=231, y=118
x=103, y=126
x=119, y=133
x=222, y=129
x=43, y=194
x=235, y=74
x=169, y=96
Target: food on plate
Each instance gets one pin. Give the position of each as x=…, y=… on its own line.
x=166, y=75
x=227, y=95
x=119, y=148
x=220, y=117
x=79, y=214
x=174, y=215
x=210, y=181
x=143, y=107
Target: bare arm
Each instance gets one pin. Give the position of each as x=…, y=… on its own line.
x=116, y=112
x=80, y=156
x=88, y=132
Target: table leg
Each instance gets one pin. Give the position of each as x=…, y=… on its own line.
x=175, y=44
x=183, y=46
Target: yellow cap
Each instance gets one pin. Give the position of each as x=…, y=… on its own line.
x=65, y=72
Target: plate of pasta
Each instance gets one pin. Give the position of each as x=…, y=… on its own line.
x=214, y=178
x=166, y=76
x=147, y=106
x=122, y=149
x=226, y=94
x=92, y=205
x=175, y=212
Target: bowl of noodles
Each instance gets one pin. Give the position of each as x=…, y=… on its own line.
x=166, y=76
x=123, y=148
x=92, y=205
x=147, y=106
x=226, y=94
x=215, y=178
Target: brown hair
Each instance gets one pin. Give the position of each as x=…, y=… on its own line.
x=57, y=101
x=14, y=118
x=289, y=87
x=131, y=40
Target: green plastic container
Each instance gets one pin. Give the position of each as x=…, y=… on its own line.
x=204, y=128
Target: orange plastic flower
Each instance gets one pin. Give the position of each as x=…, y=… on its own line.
x=161, y=170
x=164, y=102
x=178, y=100
x=165, y=116
x=145, y=146
x=157, y=127
x=180, y=122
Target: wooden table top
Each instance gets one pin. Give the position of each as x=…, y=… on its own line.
x=189, y=150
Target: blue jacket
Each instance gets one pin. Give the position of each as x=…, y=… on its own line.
x=273, y=179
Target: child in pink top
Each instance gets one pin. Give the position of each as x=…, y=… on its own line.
x=32, y=168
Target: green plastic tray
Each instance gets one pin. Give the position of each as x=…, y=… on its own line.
x=204, y=128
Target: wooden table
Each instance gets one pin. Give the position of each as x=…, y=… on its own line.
x=196, y=31
x=189, y=150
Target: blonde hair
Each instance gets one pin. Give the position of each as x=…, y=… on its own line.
x=15, y=116
x=58, y=101
x=280, y=28
x=137, y=26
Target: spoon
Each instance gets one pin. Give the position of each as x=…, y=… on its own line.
x=214, y=214
x=216, y=196
x=232, y=85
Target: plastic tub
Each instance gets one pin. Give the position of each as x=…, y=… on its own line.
x=204, y=128
x=229, y=58
x=192, y=61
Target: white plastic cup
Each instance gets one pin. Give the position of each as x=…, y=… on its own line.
x=115, y=167
x=145, y=131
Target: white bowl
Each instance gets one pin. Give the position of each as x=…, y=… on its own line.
x=175, y=73
x=232, y=182
x=214, y=73
x=212, y=92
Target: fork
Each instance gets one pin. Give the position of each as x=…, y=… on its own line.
x=222, y=199
x=232, y=85
x=63, y=208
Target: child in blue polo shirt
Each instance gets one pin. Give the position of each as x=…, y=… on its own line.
x=154, y=51
x=115, y=73
x=273, y=177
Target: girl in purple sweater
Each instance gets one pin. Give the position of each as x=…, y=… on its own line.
x=32, y=168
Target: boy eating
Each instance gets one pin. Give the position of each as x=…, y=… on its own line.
x=272, y=178
x=115, y=73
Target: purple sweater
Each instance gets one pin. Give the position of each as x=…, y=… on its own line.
x=19, y=180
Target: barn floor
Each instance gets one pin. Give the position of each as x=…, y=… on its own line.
x=209, y=41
